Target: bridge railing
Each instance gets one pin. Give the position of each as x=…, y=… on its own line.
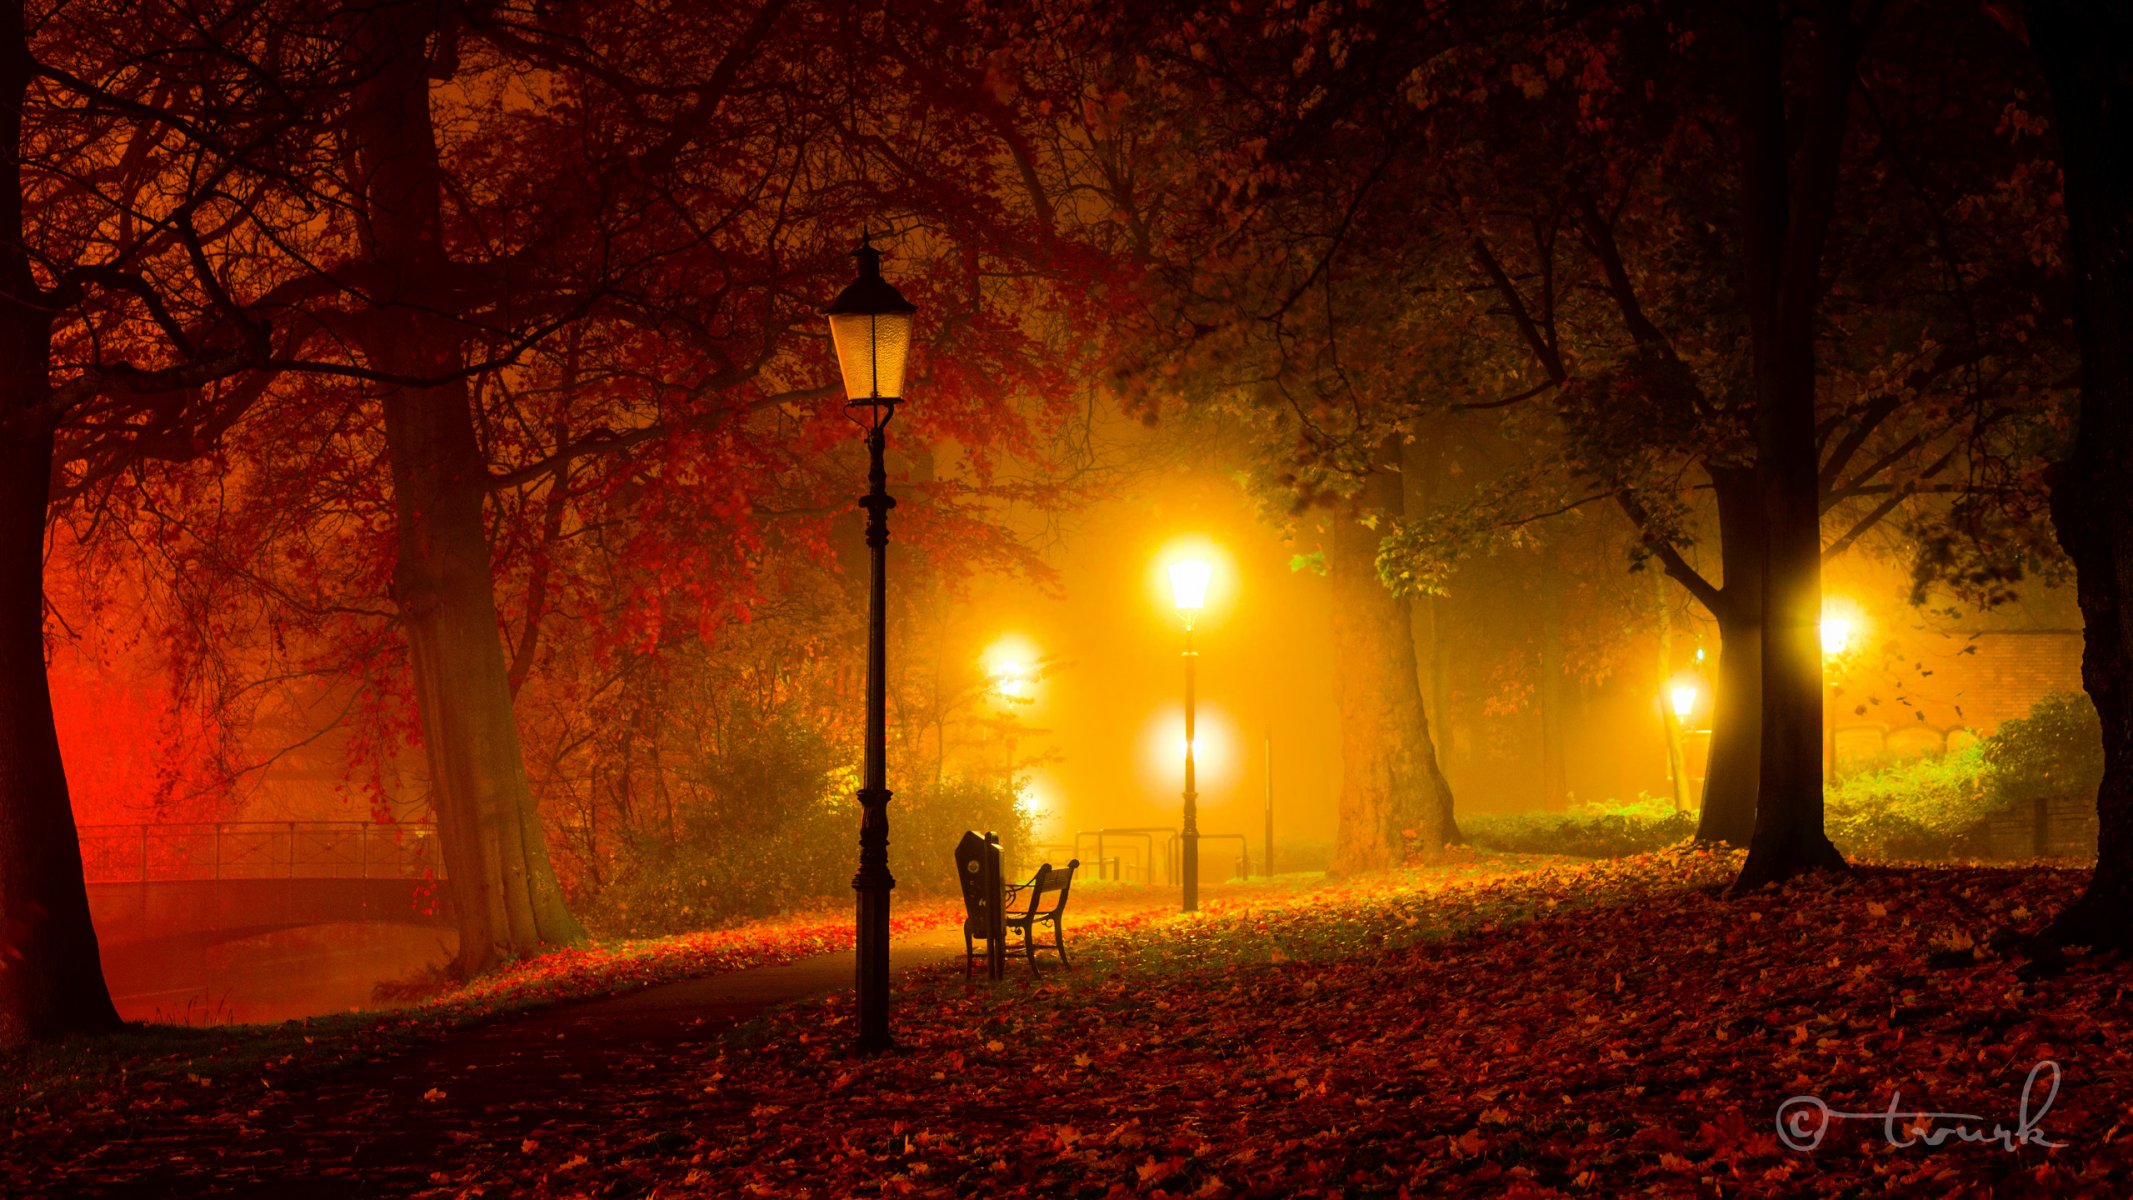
x=260, y=850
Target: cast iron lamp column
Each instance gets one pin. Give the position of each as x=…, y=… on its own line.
x=1188, y=588
x=870, y=326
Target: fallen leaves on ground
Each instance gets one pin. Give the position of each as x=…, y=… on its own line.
x=1600, y=1029
x=53, y=1082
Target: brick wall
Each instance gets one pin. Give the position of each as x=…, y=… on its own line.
x=1924, y=686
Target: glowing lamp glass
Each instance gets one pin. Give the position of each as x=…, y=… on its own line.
x=1836, y=633
x=1683, y=697
x=870, y=326
x=1188, y=584
x=872, y=349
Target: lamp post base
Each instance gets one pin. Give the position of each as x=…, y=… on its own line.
x=1189, y=865
x=873, y=884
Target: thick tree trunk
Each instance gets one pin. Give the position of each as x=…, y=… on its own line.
x=51, y=979
x=1393, y=795
x=2082, y=49
x=1421, y=469
x=1733, y=772
x=1788, y=187
x=503, y=884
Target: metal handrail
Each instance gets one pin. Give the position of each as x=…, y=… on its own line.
x=215, y=850
x=1244, y=859
x=1147, y=834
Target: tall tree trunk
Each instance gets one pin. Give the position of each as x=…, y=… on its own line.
x=1733, y=769
x=1421, y=468
x=1390, y=783
x=503, y=884
x=1788, y=188
x=2082, y=48
x=51, y=979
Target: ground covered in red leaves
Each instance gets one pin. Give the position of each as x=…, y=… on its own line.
x=1598, y=1029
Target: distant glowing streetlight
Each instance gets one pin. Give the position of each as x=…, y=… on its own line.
x=1012, y=670
x=1188, y=586
x=1840, y=623
x=1682, y=695
x=1189, y=578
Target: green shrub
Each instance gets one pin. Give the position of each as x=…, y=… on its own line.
x=1607, y=829
x=775, y=828
x=2057, y=750
x=1932, y=808
x=1919, y=809
x=1926, y=809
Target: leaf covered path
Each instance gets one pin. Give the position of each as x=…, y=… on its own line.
x=380, y=1130
x=1485, y=1028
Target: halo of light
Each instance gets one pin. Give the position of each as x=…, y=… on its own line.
x=1192, y=576
x=1010, y=666
x=1682, y=695
x=1214, y=749
x=1840, y=626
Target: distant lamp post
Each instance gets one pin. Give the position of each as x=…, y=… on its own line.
x=1189, y=578
x=1682, y=693
x=1014, y=682
x=1682, y=696
x=1839, y=627
x=870, y=326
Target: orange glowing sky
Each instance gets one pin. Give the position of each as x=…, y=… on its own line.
x=1111, y=711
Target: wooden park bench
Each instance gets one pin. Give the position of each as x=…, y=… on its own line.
x=992, y=908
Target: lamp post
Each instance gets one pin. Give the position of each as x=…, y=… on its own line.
x=1837, y=626
x=870, y=326
x=1188, y=590
x=1014, y=682
x=1681, y=694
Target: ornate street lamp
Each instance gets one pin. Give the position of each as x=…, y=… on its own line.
x=870, y=325
x=1188, y=590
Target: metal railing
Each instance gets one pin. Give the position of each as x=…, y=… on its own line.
x=1108, y=865
x=260, y=850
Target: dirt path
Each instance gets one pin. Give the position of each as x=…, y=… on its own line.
x=383, y=1129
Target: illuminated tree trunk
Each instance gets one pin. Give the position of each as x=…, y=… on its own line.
x=2081, y=48
x=51, y=980
x=503, y=885
x=1788, y=188
x=1733, y=769
x=1392, y=793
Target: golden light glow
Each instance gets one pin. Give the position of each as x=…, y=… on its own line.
x=1840, y=626
x=1682, y=695
x=1010, y=664
x=1195, y=576
x=1214, y=749
x=1188, y=583
x=1030, y=800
